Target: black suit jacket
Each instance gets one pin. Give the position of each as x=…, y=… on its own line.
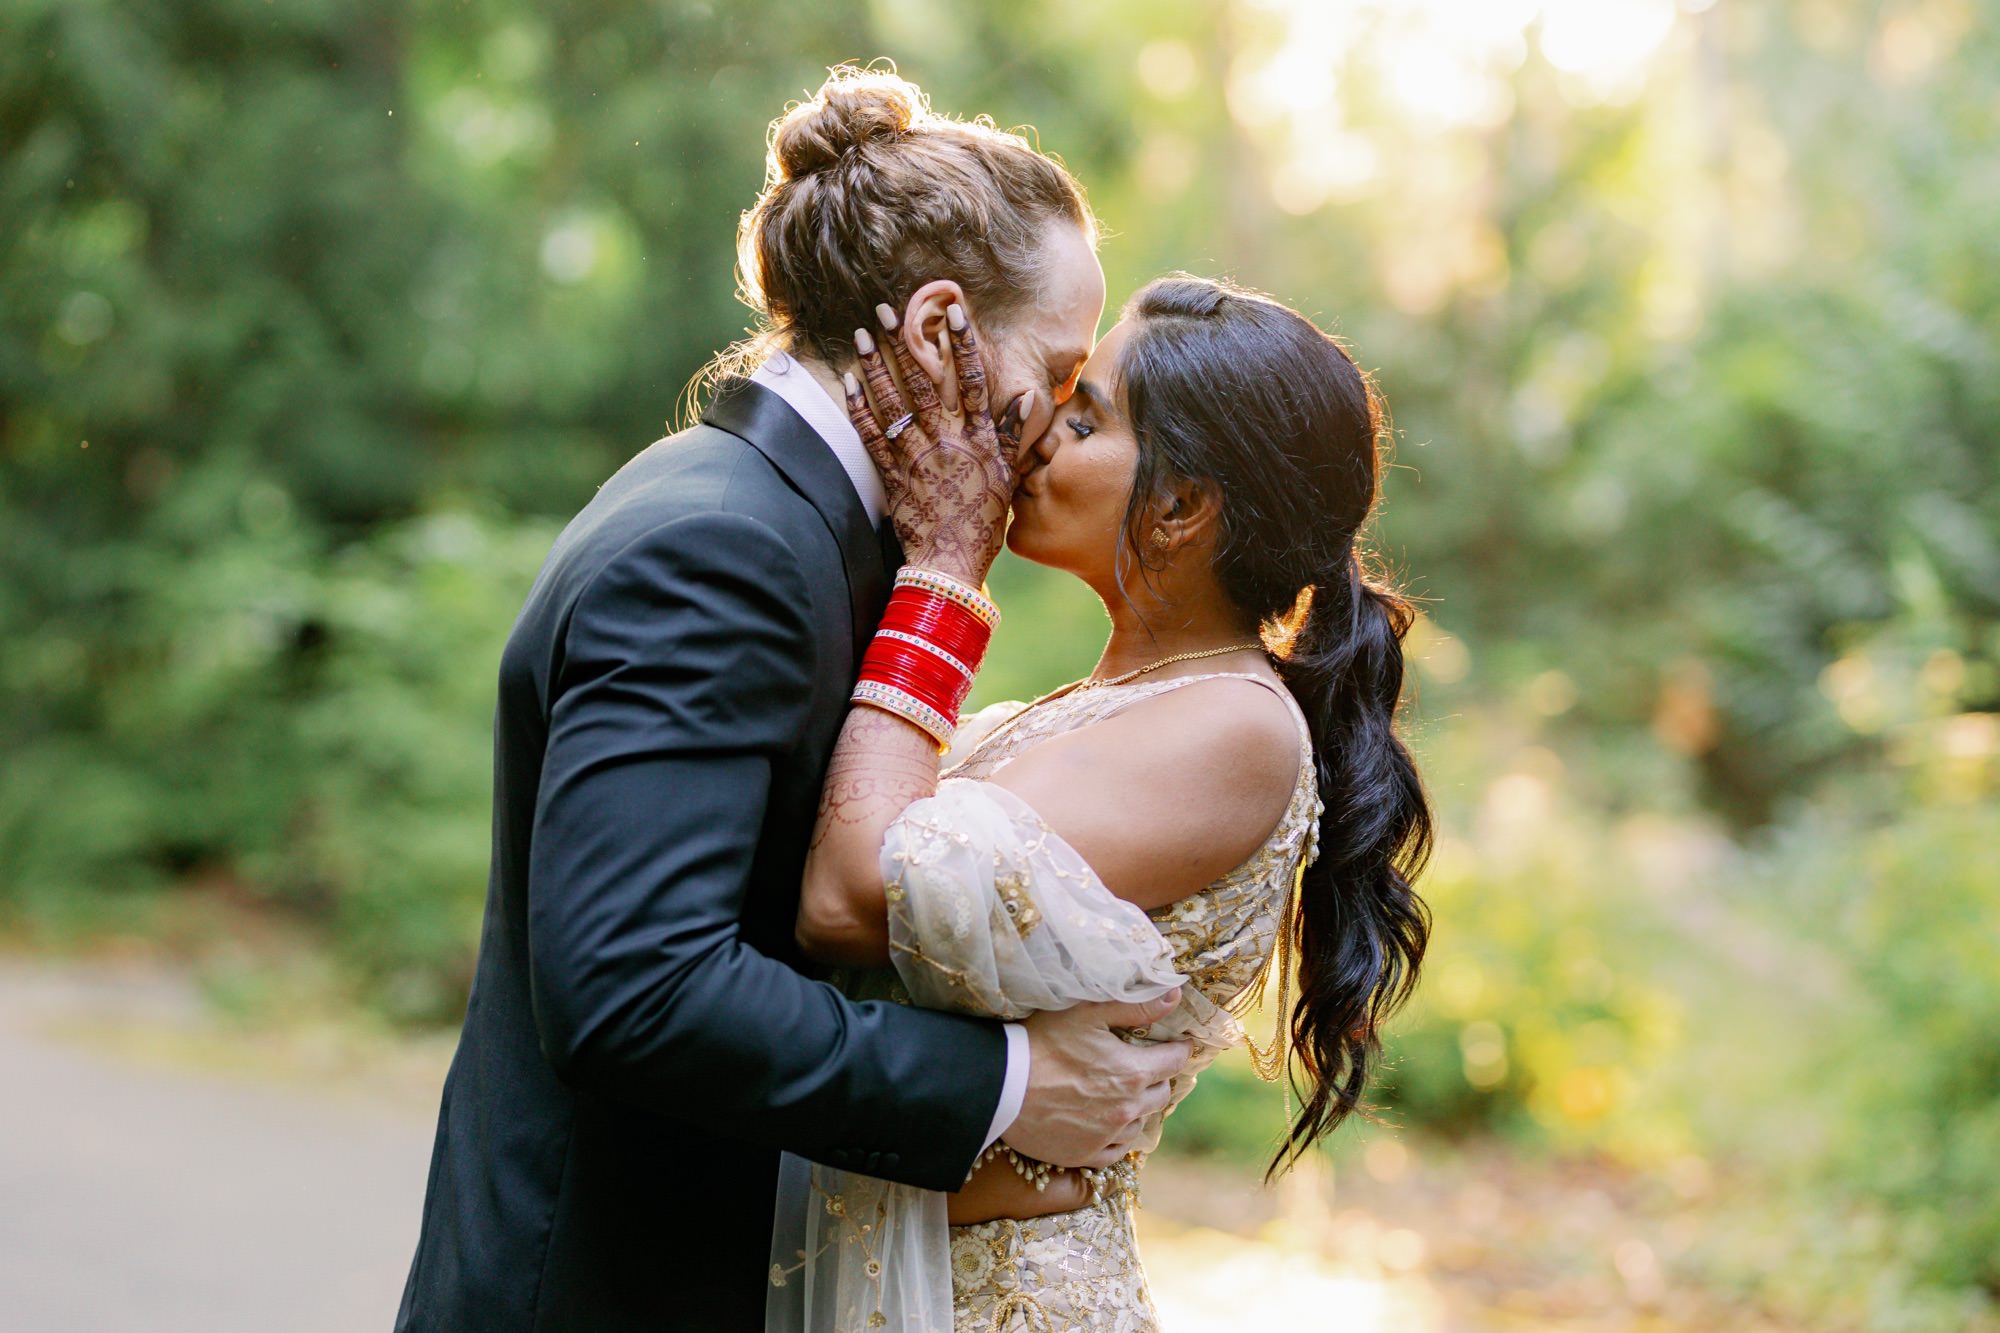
x=640, y=1041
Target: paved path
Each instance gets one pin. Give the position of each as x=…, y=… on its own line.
x=139, y=1196
x=162, y=1172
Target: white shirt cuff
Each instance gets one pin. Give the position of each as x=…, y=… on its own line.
x=1013, y=1086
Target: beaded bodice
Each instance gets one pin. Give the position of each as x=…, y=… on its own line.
x=1222, y=935
x=990, y=912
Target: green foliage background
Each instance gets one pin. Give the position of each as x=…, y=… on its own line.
x=317, y=319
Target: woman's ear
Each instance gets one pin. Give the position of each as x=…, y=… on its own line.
x=923, y=323
x=1192, y=513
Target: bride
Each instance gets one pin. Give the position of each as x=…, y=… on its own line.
x=1226, y=793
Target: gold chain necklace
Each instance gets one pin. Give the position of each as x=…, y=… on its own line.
x=1168, y=661
x=1078, y=686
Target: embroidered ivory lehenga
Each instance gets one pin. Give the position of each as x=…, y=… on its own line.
x=991, y=913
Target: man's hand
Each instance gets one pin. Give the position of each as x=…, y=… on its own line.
x=949, y=475
x=1089, y=1090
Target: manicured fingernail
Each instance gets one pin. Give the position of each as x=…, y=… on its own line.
x=955, y=317
x=852, y=385
x=863, y=343
x=887, y=316
x=1017, y=416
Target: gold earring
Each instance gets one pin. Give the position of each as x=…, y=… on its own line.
x=1160, y=540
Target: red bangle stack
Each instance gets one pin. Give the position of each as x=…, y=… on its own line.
x=921, y=662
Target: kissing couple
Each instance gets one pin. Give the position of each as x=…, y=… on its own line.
x=804, y=1002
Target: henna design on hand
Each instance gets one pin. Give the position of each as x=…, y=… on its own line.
x=925, y=405
x=949, y=476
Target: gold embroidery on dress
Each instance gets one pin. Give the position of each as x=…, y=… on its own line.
x=1020, y=906
x=854, y=1232
x=1076, y=1271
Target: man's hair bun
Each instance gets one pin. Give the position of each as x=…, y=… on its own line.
x=853, y=108
x=869, y=194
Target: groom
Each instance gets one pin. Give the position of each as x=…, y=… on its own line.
x=643, y=1038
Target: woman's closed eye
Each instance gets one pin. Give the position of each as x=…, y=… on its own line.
x=1082, y=429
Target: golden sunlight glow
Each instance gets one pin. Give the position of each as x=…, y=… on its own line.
x=1168, y=68
x=1208, y=1282
x=1432, y=65
x=1606, y=42
x=1442, y=60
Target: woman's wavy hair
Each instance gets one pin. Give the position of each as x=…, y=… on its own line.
x=1228, y=386
x=869, y=194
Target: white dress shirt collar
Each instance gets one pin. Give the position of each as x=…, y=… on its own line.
x=784, y=376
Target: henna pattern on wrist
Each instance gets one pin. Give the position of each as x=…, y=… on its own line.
x=876, y=772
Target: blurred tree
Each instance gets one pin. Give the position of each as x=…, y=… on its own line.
x=317, y=318
x=276, y=285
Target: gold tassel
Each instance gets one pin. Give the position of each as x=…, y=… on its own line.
x=1032, y=1312
x=1270, y=1062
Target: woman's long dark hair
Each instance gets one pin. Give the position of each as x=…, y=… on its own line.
x=1230, y=387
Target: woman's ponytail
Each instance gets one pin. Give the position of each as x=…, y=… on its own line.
x=1229, y=386
x=1359, y=929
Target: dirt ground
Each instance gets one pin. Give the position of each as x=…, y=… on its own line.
x=165, y=1169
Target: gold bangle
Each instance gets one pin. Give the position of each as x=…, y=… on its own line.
x=907, y=706
x=954, y=590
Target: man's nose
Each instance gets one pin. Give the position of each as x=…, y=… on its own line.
x=1037, y=431
x=1043, y=449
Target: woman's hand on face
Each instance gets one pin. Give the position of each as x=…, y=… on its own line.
x=949, y=475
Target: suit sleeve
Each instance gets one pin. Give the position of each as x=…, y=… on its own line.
x=685, y=674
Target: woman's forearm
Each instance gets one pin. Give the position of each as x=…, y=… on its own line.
x=880, y=766
x=948, y=478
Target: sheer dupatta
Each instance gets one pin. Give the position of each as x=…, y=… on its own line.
x=990, y=913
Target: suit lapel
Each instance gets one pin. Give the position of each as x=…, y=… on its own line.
x=769, y=425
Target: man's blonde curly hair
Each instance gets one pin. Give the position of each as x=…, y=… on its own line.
x=869, y=194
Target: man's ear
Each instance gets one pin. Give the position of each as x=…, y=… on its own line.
x=923, y=322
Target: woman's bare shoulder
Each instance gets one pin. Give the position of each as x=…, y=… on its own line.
x=1171, y=792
